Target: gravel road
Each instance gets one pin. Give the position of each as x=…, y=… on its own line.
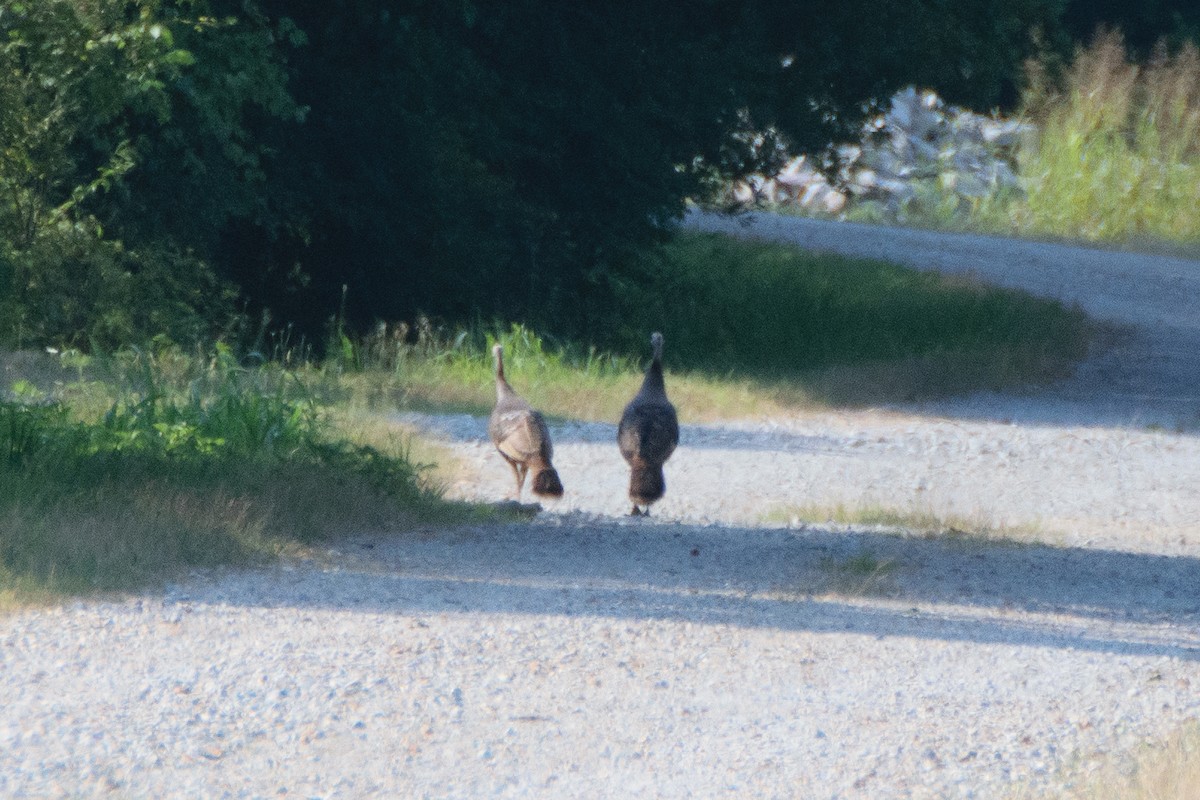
x=1152, y=375
x=721, y=648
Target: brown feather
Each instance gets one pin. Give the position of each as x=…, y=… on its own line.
x=520, y=435
x=648, y=434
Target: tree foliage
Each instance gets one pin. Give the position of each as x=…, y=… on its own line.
x=498, y=160
x=380, y=158
x=102, y=216
x=505, y=159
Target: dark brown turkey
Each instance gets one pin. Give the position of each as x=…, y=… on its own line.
x=521, y=436
x=648, y=434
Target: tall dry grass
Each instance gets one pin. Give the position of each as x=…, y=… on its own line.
x=1117, y=153
x=1163, y=770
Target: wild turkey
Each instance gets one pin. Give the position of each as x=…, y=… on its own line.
x=520, y=435
x=647, y=435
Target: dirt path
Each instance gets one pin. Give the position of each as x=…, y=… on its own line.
x=716, y=649
x=1151, y=376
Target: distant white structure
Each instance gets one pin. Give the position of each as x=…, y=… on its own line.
x=919, y=149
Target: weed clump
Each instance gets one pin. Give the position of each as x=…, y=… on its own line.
x=1117, y=155
x=194, y=463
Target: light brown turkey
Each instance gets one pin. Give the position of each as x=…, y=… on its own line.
x=520, y=434
x=648, y=434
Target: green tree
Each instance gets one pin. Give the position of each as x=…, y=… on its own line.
x=466, y=159
x=505, y=159
x=90, y=99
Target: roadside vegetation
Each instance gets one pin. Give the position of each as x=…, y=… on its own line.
x=1117, y=153
x=751, y=328
x=1168, y=769
x=909, y=520
x=125, y=469
x=146, y=465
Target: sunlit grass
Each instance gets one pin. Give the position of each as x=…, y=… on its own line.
x=1117, y=155
x=196, y=463
x=912, y=519
x=451, y=371
x=751, y=329
x=1163, y=770
x=560, y=392
x=437, y=464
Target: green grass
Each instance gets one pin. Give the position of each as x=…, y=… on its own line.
x=553, y=378
x=751, y=328
x=911, y=520
x=119, y=471
x=193, y=464
x=765, y=310
x=1118, y=153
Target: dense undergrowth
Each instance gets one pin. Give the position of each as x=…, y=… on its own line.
x=148, y=464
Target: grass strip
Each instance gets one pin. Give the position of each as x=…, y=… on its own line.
x=752, y=329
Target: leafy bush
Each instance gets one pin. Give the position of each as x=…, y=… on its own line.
x=195, y=463
x=72, y=288
x=116, y=143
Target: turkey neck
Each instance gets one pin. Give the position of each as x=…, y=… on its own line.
x=503, y=390
x=653, y=382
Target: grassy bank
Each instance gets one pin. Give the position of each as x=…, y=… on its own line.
x=173, y=463
x=1117, y=155
x=751, y=328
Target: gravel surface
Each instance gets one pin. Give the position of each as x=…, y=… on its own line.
x=722, y=647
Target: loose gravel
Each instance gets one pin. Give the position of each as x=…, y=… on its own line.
x=727, y=646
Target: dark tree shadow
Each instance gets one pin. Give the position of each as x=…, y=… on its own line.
x=826, y=582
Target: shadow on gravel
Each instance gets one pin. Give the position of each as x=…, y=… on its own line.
x=870, y=584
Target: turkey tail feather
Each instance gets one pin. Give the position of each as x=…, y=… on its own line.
x=646, y=483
